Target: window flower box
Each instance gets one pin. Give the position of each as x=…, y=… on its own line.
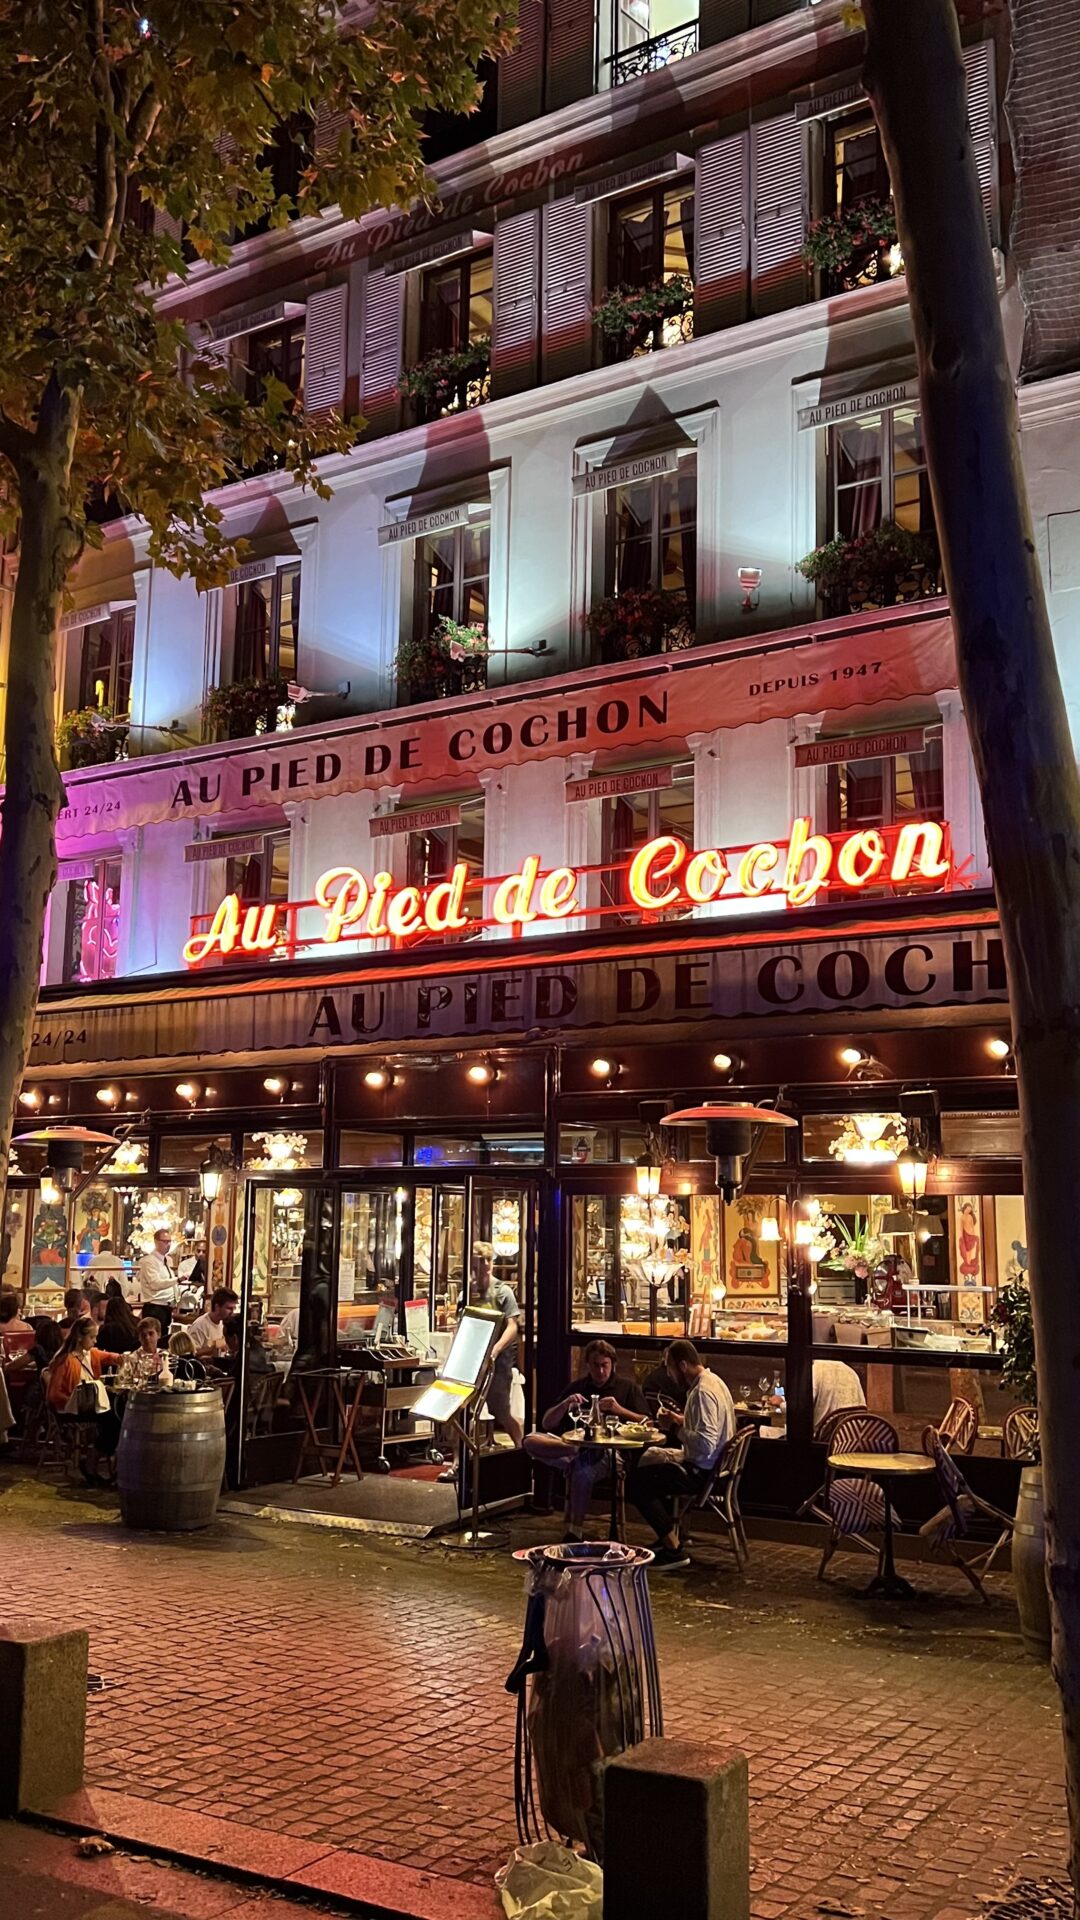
x=437, y=666
x=91, y=737
x=639, y=622
x=449, y=381
x=637, y=320
x=244, y=708
x=856, y=245
x=884, y=567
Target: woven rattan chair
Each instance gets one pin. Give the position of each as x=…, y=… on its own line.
x=953, y=1522
x=720, y=1495
x=851, y=1506
x=1020, y=1434
x=958, y=1428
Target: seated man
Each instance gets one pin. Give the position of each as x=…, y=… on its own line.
x=836, y=1385
x=208, y=1331
x=583, y=1465
x=705, y=1427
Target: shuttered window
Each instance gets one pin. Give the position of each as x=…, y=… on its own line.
x=982, y=118
x=722, y=203
x=571, y=52
x=521, y=72
x=381, y=365
x=721, y=20
x=324, y=349
x=568, y=331
x=517, y=297
x=779, y=201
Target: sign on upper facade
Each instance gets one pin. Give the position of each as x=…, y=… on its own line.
x=850, y=406
x=626, y=473
x=613, y=786
x=645, y=173
x=861, y=746
x=414, y=820
x=438, y=520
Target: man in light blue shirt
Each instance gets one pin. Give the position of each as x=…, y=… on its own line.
x=667, y=1473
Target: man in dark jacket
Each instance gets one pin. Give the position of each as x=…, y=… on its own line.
x=584, y=1465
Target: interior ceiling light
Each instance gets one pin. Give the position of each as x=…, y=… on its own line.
x=998, y=1049
x=380, y=1076
x=480, y=1072
x=30, y=1097
x=273, y=1084
x=602, y=1068
x=109, y=1096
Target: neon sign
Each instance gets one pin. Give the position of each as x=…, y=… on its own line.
x=665, y=877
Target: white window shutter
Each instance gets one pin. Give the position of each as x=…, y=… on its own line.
x=571, y=52
x=517, y=300
x=324, y=349
x=381, y=362
x=167, y=223
x=330, y=123
x=982, y=119
x=779, y=203
x=722, y=234
x=521, y=71
x=567, y=317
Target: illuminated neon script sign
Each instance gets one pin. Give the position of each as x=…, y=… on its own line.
x=663, y=877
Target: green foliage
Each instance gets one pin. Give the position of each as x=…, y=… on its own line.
x=639, y=621
x=438, y=379
x=91, y=736
x=451, y=659
x=1012, y=1312
x=834, y=239
x=873, y=560
x=110, y=138
x=244, y=708
x=631, y=312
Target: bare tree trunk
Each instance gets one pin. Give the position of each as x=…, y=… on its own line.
x=1015, y=712
x=33, y=789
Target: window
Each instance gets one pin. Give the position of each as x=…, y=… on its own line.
x=278, y=353
x=651, y=244
x=650, y=568
x=631, y=820
x=886, y=792
x=262, y=875
x=432, y=854
x=648, y=34
x=450, y=583
x=93, y=924
x=456, y=304
x=266, y=616
x=857, y=166
x=105, y=669
x=877, y=472
x=856, y=182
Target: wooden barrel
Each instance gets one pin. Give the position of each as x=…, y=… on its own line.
x=1029, y=1566
x=170, y=1460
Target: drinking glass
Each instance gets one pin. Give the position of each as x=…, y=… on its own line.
x=611, y=1424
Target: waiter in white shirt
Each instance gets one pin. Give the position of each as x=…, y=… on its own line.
x=106, y=1265
x=705, y=1426
x=157, y=1283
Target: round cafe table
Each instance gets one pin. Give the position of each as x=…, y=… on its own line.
x=884, y=1467
x=614, y=1444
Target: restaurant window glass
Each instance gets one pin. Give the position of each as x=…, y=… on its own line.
x=185, y=1152
x=680, y=1264
x=17, y=1211
x=886, y=792
x=108, y=649
x=373, y=1225
x=282, y=1149
x=582, y=1145
x=264, y=616
x=650, y=567
x=981, y=1136
x=432, y=853
x=262, y=874
x=357, y=1148
x=647, y=35
x=651, y=244
x=629, y=821
x=877, y=473
x=92, y=942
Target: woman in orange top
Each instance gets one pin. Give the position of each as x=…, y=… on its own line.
x=79, y=1363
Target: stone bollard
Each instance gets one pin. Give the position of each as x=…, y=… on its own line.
x=42, y=1715
x=677, y=1833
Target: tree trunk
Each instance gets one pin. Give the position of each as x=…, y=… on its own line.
x=33, y=790
x=1015, y=712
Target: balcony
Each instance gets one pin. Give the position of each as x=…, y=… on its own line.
x=639, y=623
x=649, y=56
x=885, y=567
x=854, y=246
x=451, y=380
x=91, y=737
x=450, y=660
x=639, y=320
x=245, y=708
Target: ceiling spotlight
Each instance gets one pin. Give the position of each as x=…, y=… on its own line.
x=30, y=1097
x=481, y=1073
x=380, y=1076
x=862, y=1065
x=55, y=1100
x=187, y=1090
x=275, y=1084
x=109, y=1096
x=852, y=1056
x=603, y=1069
x=998, y=1049
x=726, y=1062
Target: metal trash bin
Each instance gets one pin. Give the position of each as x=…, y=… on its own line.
x=586, y=1681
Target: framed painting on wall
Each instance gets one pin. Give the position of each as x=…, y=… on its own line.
x=969, y=1254
x=751, y=1265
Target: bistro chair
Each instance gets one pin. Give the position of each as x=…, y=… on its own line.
x=720, y=1495
x=61, y=1443
x=814, y=1506
x=1020, y=1433
x=850, y=1505
x=953, y=1522
x=958, y=1428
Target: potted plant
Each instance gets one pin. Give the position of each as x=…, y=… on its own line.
x=450, y=379
x=640, y=318
x=1012, y=1313
x=882, y=567
x=639, y=621
x=855, y=243
x=451, y=659
x=91, y=736
x=244, y=708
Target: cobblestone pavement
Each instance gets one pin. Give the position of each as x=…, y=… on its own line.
x=904, y=1761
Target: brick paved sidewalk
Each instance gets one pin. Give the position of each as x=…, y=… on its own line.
x=905, y=1763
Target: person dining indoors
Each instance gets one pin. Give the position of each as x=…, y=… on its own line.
x=584, y=1465
x=16, y=1334
x=148, y=1366
x=667, y=1474
x=157, y=1285
x=78, y=1365
x=76, y=1307
x=208, y=1331
x=119, y=1330
x=836, y=1385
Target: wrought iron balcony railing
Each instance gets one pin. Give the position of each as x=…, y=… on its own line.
x=650, y=55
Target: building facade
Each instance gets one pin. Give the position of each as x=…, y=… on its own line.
x=528, y=781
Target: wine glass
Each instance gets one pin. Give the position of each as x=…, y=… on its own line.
x=764, y=1388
